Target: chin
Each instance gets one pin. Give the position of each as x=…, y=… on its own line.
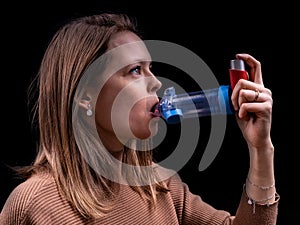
x=153, y=127
x=148, y=132
x=142, y=135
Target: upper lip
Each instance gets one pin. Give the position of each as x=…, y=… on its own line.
x=153, y=107
x=153, y=104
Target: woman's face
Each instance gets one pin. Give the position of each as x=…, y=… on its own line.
x=123, y=107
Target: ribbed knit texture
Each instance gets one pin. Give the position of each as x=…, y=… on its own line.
x=37, y=201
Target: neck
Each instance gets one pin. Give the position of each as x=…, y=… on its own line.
x=112, y=144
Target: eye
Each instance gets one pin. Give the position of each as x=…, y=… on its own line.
x=136, y=70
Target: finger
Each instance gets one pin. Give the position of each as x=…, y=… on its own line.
x=255, y=67
x=259, y=109
x=245, y=91
x=247, y=96
x=257, y=92
x=253, y=96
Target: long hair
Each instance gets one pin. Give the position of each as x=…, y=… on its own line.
x=72, y=49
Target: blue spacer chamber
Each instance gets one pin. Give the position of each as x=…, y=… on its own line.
x=173, y=107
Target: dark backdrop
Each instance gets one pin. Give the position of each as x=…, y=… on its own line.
x=215, y=32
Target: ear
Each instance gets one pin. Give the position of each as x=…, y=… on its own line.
x=84, y=103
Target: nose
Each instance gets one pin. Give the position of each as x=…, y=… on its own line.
x=154, y=84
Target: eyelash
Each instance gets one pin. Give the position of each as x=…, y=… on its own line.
x=139, y=68
x=136, y=68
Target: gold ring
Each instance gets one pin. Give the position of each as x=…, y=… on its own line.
x=256, y=95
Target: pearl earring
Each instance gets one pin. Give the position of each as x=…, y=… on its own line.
x=89, y=111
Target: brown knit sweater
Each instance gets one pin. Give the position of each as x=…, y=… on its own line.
x=37, y=201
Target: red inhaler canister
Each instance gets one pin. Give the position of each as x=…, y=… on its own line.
x=237, y=71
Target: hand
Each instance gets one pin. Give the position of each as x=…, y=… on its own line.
x=253, y=105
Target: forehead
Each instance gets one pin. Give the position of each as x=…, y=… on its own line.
x=121, y=38
x=126, y=48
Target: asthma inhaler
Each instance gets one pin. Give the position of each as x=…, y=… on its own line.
x=175, y=107
x=237, y=71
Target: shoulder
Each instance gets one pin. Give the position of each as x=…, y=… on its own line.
x=38, y=201
x=26, y=195
x=170, y=177
x=32, y=188
x=177, y=188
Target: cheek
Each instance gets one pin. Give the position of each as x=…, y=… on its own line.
x=104, y=108
x=103, y=112
x=116, y=111
x=139, y=120
x=120, y=118
x=104, y=104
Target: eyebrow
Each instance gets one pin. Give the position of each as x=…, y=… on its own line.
x=142, y=62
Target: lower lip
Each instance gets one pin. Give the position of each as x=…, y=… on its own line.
x=155, y=115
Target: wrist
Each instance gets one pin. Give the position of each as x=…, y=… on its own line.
x=262, y=162
x=260, y=194
x=262, y=148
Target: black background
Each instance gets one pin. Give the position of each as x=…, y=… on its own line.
x=215, y=32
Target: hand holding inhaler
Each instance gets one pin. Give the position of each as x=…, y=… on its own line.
x=175, y=107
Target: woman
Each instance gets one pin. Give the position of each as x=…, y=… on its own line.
x=95, y=166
